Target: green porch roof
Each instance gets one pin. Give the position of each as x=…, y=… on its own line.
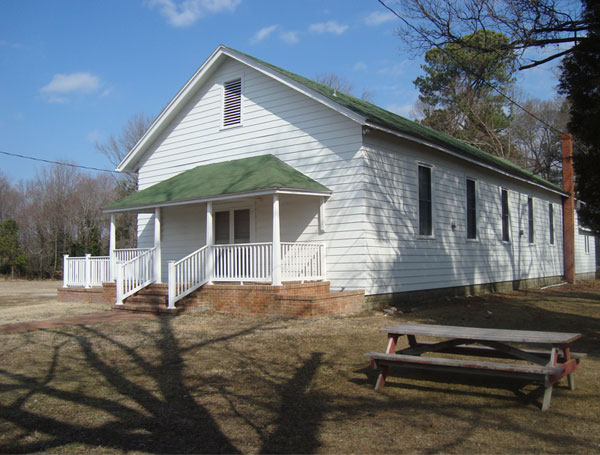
x=386, y=119
x=246, y=175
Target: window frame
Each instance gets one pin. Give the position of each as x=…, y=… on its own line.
x=475, y=209
x=551, y=229
x=530, y=220
x=431, y=233
x=232, y=208
x=505, y=216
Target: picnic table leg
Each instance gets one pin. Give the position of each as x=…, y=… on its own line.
x=381, y=378
x=570, y=376
x=391, y=347
x=548, y=384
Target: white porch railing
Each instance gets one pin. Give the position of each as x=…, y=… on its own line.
x=134, y=274
x=250, y=262
x=127, y=254
x=187, y=275
x=87, y=271
x=302, y=261
x=243, y=262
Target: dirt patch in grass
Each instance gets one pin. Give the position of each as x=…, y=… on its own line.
x=206, y=383
x=22, y=301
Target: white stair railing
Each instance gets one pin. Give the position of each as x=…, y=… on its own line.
x=134, y=274
x=243, y=262
x=187, y=275
x=302, y=261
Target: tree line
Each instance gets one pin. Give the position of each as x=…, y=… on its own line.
x=56, y=212
x=59, y=211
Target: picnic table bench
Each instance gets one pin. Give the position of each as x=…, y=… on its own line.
x=544, y=365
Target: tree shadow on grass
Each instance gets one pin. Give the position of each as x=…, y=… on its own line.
x=158, y=414
x=299, y=415
x=166, y=421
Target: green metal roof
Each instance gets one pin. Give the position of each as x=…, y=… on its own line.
x=246, y=175
x=381, y=117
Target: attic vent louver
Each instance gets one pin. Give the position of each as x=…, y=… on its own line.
x=232, y=102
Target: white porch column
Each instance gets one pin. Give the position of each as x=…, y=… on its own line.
x=322, y=218
x=88, y=271
x=210, y=240
x=66, y=274
x=276, y=277
x=157, y=255
x=112, y=245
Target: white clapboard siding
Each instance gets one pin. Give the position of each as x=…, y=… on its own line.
x=276, y=120
x=585, y=261
x=398, y=260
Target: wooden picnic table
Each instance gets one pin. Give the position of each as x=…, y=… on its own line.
x=547, y=365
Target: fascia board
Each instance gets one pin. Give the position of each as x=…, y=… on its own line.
x=143, y=208
x=169, y=112
x=462, y=157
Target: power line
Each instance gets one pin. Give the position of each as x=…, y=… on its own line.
x=32, y=158
x=497, y=90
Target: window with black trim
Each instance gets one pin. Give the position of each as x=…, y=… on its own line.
x=530, y=222
x=232, y=102
x=425, y=205
x=471, y=209
x=505, y=217
x=551, y=222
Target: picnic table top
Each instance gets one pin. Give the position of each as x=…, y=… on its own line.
x=477, y=333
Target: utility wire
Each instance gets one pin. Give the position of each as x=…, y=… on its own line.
x=58, y=162
x=497, y=90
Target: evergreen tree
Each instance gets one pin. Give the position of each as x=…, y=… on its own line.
x=11, y=255
x=457, y=92
x=580, y=81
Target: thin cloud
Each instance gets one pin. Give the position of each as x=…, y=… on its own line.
x=94, y=136
x=74, y=82
x=379, y=17
x=405, y=110
x=290, y=37
x=61, y=85
x=4, y=43
x=263, y=34
x=360, y=66
x=328, y=27
x=188, y=12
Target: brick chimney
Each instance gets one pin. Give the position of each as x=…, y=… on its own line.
x=568, y=207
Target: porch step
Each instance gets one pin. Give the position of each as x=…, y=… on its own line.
x=155, y=299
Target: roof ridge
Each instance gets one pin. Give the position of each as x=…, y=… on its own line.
x=396, y=122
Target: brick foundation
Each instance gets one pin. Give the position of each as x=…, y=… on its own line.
x=81, y=294
x=405, y=300
x=291, y=300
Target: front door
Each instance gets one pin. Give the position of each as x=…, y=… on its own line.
x=232, y=226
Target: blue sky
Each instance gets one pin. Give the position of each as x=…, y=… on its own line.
x=73, y=72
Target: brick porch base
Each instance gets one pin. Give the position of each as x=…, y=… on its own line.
x=291, y=300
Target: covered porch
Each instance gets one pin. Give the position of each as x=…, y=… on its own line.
x=255, y=220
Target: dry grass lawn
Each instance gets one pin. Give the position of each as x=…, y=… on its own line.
x=22, y=301
x=206, y=383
